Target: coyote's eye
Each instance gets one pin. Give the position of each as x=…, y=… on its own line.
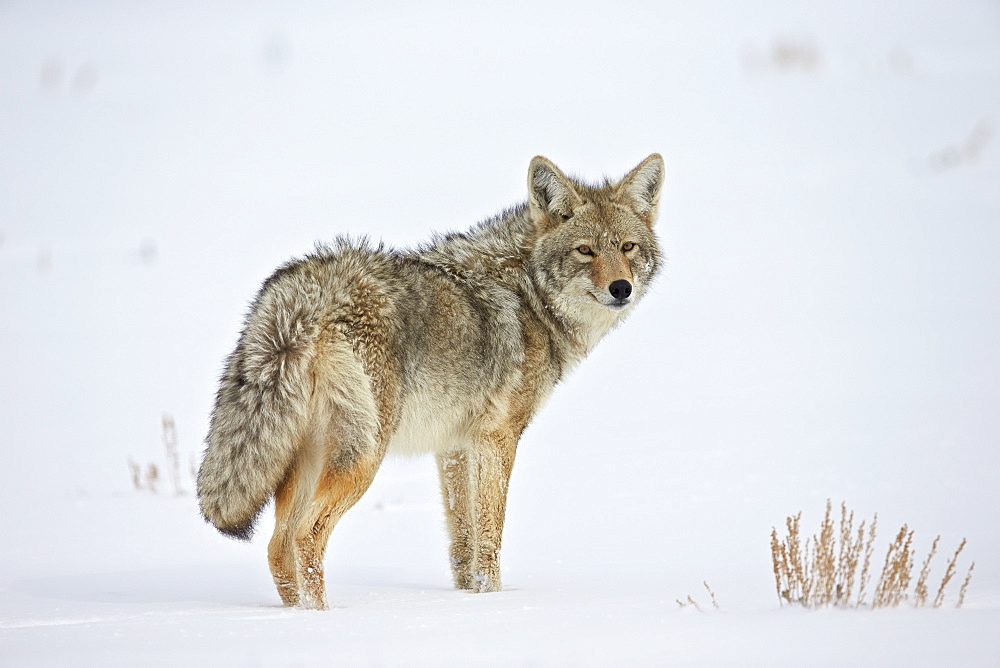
x=584, y=250
x=626, y=247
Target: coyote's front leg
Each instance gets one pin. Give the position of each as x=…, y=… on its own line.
x=474, y=490
x=494, y=459
x=453, y=469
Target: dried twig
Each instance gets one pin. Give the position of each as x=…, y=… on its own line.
x=715, y=603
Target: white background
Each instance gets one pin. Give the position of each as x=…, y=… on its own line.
x=826, y=326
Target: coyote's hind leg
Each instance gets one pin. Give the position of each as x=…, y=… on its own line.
x=280, y=555
x=290, y=501
x=339, y=488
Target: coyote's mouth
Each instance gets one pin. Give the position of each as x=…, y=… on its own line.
x=615, y=305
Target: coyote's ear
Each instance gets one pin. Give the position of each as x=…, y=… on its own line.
x=641, y=187
x=550, y=194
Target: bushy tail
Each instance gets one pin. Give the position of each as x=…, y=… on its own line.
x=259, y=413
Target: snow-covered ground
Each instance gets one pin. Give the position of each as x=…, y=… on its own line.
x=827, y=326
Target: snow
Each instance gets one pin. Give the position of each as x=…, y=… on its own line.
x=826, y=326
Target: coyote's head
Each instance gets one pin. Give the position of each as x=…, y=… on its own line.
x=596, y=252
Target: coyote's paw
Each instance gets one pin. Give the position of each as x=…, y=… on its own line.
x=484, y=584
x=461, y=573
x=309, y=603
x=289, y=593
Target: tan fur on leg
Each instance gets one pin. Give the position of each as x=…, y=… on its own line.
x=454, y=472
x=494, y=461
x=338, y=490
x=280, y=555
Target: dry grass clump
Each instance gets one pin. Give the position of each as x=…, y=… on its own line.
x=833, y=568
x=148, y=478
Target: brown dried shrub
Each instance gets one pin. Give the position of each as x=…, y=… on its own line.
x=824, y=570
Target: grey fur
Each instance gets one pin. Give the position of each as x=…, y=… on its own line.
x=371, y=349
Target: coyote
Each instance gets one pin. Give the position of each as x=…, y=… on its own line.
x=357, y=351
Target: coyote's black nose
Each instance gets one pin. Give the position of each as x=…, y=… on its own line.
x=620, y=289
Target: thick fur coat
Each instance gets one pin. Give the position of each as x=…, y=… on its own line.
x=356, y=351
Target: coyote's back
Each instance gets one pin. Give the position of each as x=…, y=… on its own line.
x=356, y=351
